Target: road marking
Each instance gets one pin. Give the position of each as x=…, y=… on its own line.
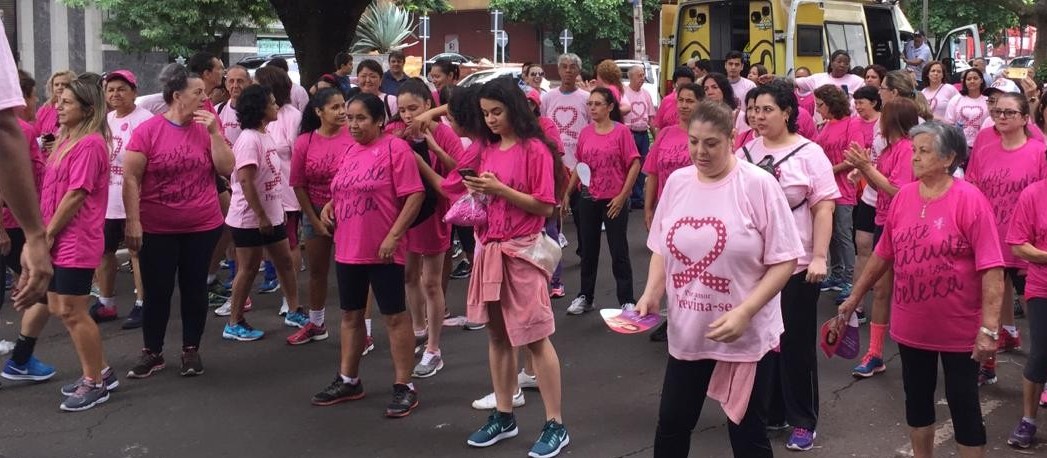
x=945, y=432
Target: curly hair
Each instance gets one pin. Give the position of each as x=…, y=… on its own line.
x=251, y=107
x=835, y=100
x=464, y=107
x=610, y=74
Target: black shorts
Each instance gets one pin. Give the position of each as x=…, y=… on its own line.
x=222, y=184
x=864, y=217
x=114, y=234
x=877, y=233
x=1017, y=280
x=71, y=281
x=386, y=280
x=250, y=238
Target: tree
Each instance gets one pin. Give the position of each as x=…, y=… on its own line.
x=179, y=27
x=318, y=30
x=588, y=20
x=425, y=7
x=945, y=15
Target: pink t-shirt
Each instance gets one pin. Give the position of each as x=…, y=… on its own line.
x=805, y=101
x=609, y=157
x=836, y=136
x=253, y=148
x=552, y=132
x=299, y=97
x=742, y=139
x=642, y=109
x=178, y=187
x=85, y=167
x=896, y=164
x=120, y=129
x=817, y=80
x=36, y=159
x=452, y=183
x=865, y=129
x=667, y=154
x=617, y=93
x=939, y=99
x=46, y=120
x=284, y=132
x=806, y=178
x=968, y=113
x=805, y=125
x=433, y=236
x=526, y=167
x=715, y=255
x=367, y=194
x=667, y=114
x=741, y=88
x=230, y=125
x=315, y=161
x=938, y=251
x=10, y=90
x=1002, y=175
x=1029, y=225
x=570, y=114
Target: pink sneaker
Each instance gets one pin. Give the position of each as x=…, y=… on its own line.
x=308, y=333
x=1043, y=398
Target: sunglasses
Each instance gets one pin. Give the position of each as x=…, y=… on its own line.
x=538, y=74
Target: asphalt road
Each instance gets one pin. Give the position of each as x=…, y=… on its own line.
x=253, y=400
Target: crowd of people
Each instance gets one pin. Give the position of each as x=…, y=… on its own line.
x=758, y=193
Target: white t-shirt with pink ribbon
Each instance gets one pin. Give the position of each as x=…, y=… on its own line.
x=257, y=149
x=938, y=99
x=120, y=130
x=968, y=113
x=569, y=112
x=639, y=119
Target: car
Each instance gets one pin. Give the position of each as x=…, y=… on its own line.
x=650, y=83
x=483, y=76
x=451, y=56
x=1019, y=67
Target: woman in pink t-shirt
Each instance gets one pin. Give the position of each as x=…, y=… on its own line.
x=317, y=153
x=836, y=135
x=607, y=147
x=938, y=93
x=743, y=138
x=725, y=310
x=375, y=196
x=173, y=217
x=718, y=89
x=46, y=121
x=521, y=175
x=969, y=109
x=948, y=281
x=669, y=151
x=72, y=203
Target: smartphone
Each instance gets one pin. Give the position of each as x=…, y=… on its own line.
x=48, y=137
x=467, y=172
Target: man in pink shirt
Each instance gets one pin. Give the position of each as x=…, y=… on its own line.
x=638, y=120
x=734, y=63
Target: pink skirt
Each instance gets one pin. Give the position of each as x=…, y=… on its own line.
x=517, y=286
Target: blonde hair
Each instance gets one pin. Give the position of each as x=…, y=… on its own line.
x=88, y=93
x=906, y=86
x=50, y=83
x=610, y=74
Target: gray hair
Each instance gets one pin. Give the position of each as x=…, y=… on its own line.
x=642, y=70
x=170, y=71
x=570, y=58
x=946, y=139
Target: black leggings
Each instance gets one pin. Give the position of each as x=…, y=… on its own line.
x=163, y=258
x=591, y=214
x=796, y=367
x=920, y=377
x=13, y=260
x=683, y=394
x=1036, y=365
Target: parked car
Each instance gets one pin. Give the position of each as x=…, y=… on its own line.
x=451, y=56
x=1019, y=67
x=483, y=76
x=256, y=62
x=653, y=75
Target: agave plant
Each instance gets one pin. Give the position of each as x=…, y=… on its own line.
x=384, y=27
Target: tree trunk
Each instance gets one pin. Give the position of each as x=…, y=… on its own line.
x=1039, y=20
x=318, y=30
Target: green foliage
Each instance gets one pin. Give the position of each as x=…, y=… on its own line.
x=588, y=20
x=179, y=27
x=945, y=15
x=384, y=27
x=424, y=7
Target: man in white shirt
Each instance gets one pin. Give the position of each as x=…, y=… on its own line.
x=734, y=63
x=638, y=120
x=917, y=55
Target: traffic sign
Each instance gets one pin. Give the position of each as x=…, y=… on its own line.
x=502, y=38
x=423, y=27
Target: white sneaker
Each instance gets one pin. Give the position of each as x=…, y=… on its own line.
x=226, y=309
x=526, y=381
x=284, y=308
x=579, y=306
x=488, y=402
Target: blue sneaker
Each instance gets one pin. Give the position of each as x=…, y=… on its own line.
x=32, y=371
x=227, y=264
x=553, y=439
x=270, y=283
x=241, y=331
x=845, y=292
x=870, y=366
x=801, y=440
x=498, y=428
x=296, y=319
x=830, y=283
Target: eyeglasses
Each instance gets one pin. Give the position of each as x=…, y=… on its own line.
x=535, y=75
x=1005, y=114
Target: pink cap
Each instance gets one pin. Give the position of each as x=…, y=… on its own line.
x=125, y=75
x=535, y=97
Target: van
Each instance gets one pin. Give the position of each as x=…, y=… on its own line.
x=786, y=34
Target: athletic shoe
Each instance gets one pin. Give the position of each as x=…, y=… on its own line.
x=227, y=264
x=462, y=270
x=862, y=319
x=430, y=364
x=801, y=439
x=1008, y=342
x=296, y=319
x=32, y=371
x=108, y=376
x=870, y=366
x=337, y=392
x=242, y=332
x=1043, y=398
x=553, y=439
x=284, y=308
x=557, y=291
x=218, y=289
x=830, y=284
x=455, y=321
x=215, y=300
x=1019, y=312
x=470, y=326
x=85, y=397
x=777, y=427
x=101, y=313
x=579, y=306
x=368, y=346
x=1023, y=435
x=456, y=249
x=134, y=319
x=309, y=333
x=986, y=376
x=191, y=364
x=227, y=308
x=95, y=291
x=499, y=426
x=661, y=334
x=404, y=401
x=525, y=381
x=147, y=364
x=420, y=342
x=845, y=292
x=269, y=285
x=488, y=402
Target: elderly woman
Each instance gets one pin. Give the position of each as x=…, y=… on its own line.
x=948, y=270
x=749, y=218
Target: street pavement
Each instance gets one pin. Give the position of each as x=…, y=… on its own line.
x=253, y=400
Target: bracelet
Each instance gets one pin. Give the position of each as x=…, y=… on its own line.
x=995, y=335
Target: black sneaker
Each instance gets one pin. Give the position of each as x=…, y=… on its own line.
x=404, y=401
x=338, y=391
x=1019, y=312
x=191, y=364
x=134, y=319
x=661, y=334
x=147, y=364
x=463, y=270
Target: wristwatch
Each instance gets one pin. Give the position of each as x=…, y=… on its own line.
x=994, y=335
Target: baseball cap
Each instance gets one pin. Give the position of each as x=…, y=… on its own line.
x=125, y=75
x=1006, y=85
